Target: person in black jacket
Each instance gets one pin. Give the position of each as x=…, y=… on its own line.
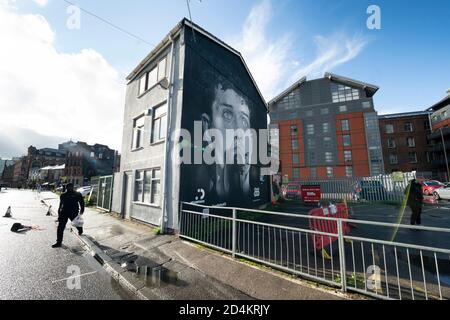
x=415, y=202
x=71, y=205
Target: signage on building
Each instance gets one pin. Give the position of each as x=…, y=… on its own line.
x=397, y=176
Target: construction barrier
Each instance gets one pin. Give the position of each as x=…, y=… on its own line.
x=339, y=211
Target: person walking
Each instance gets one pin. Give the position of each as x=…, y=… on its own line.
x=71, y=205
x=415, y=202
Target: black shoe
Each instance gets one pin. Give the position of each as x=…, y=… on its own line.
x=80, y=231
x=57, y=245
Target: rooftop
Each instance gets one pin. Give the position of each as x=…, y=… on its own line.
x=404, y=115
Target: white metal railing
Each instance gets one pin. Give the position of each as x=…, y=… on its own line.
x=370, y=265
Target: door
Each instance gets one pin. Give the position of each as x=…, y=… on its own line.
x=126, y=196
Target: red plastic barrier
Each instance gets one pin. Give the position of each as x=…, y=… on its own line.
x=328, y=226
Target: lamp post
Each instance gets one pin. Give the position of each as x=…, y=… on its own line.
x=445, y=154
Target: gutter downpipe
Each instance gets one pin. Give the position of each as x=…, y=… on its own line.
x=164, y=218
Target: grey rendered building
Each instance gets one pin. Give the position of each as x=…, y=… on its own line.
x=177, y=84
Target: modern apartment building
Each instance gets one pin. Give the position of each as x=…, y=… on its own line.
x=406, y=147
x=192, y=82
x=328, y=128
x=440, y=137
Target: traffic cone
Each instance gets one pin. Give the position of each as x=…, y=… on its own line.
x=8, y=213
x=49, y=212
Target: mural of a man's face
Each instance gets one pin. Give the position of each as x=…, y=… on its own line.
x=229, y=111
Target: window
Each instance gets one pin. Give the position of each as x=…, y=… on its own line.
x=296, y=173
x=409, y=127
x=312, y=158
x=329, y=157
x=342, y=93
x=327, y=142
x=348, y=156
x=412, y=157
x=100, y=156
x=349, y=172
x=346, y=140
x=345, y=125
x=444, y=115
x=411, y=142
x=366, y=105
x=148, y=186
x=324, y=111
x=162, y=69
x=92, y=154
x=389, y=128
x=427, y=125
x=151, y=78
x=330, y=172
x=313, y=172
x=309, y=113
x=393, y=159
x=138, y=129
x=326, y=127
x=295, y=144
x=295, y=159
x=294, y=131
x=310, y=129
x=391, y=143
x=343, y=109
x=159, y=123
x=311, y=143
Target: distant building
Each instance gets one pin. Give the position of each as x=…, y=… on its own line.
x=51, y=174
x=4, y=163
x=328, y=128
x=6, y=179
x=406, y=147
x=440, y=137
x=84, y=161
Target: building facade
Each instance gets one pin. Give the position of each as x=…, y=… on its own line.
x=405, y=142
x=440, y=137
x=190, y=81
x=328, y=128
x=85, y=161
x=5, y=163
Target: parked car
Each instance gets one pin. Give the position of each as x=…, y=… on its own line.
x=84, y=190
x=292, y=191
x=429, y=186
x=372, y=190
x=442, y=193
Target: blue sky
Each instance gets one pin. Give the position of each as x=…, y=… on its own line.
x=409, y=58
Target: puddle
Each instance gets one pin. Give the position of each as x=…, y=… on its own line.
x=157, y=277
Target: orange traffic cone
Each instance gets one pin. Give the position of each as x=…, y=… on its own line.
x=8, y=213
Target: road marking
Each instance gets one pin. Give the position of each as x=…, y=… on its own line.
x=74, y=277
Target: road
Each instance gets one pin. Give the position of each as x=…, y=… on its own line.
x=32, y=270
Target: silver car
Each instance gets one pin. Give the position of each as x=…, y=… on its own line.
x=442, y=193
x=85, y=191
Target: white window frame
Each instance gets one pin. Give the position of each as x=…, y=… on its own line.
x=155, y=199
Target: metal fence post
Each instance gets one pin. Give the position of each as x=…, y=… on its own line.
x=342, y=256
x=233, y=245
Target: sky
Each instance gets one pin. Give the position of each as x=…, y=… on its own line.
x=59, y=83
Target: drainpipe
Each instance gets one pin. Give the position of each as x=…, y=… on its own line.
x=164, y=219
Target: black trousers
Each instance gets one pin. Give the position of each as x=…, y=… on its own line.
x=416, y=214
x=62, y=222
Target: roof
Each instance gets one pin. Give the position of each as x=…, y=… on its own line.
x=404, y=115
x=50, y=168
x=288, y=90
x=369, y=88
x=167, y=40
x=444, y=102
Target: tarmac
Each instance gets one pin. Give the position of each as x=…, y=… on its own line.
x=164, y=267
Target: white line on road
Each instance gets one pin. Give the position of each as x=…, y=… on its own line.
x=74, y=277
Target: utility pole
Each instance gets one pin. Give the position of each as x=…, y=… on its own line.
x=445, y=154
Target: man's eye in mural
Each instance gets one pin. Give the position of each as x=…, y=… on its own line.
x=245, y=123
x=228, y=115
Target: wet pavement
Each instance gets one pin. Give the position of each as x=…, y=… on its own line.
x=32, y=270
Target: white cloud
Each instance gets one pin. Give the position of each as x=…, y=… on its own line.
x=41, y=3
x=76, y=95
x=274, y=63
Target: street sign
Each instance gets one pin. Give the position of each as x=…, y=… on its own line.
x=311, y=194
